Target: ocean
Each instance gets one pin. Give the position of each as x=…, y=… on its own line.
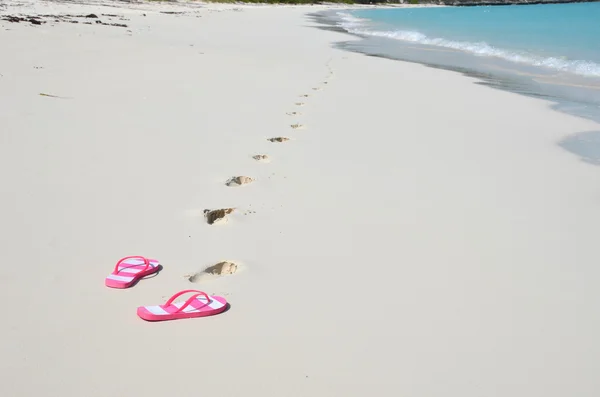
x=550, y=51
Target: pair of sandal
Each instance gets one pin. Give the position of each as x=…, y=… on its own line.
x=131, y=269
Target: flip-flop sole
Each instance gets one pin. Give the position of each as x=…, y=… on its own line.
x=199, y=308
x=130, y=272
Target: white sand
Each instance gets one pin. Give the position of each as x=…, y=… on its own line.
x=422, y=236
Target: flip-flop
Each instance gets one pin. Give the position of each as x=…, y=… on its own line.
x=197, y=305
x=130, y=270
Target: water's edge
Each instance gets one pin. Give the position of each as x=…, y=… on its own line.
x=475, y=3
x=585, y=144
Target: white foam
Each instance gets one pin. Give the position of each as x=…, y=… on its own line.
x=359, y=26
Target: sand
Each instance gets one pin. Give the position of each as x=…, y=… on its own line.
x=421, y=235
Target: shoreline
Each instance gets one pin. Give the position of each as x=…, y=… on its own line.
x=405, y=238
x=505, y=76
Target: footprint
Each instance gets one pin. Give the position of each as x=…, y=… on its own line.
x=278, y=139
x=239, y=181
x=217, y=216
x=262, y=158
x=297, y=126
x=299, y=103
x=293, y=113
x=220, y=269
x=317, y=89
x=304, y=96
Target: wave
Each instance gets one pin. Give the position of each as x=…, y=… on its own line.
x=360, y=26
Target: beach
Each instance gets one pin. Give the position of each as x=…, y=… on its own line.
x=419, y=234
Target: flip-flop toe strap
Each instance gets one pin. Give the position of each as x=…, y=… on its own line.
x=146, y=262
x=189, y=300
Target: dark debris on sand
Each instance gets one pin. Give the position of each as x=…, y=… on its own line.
x=40, y=19
x=16, y=19
x=120, y=25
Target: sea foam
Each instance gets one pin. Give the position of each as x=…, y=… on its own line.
x=360, y=26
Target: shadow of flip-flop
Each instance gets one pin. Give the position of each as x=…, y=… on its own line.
x=227, y=307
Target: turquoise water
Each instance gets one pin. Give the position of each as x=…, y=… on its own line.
x=557, y=37
x=550, y=51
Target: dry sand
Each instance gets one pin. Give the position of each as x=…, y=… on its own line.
x=421, y=236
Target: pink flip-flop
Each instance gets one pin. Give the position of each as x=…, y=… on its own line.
x=197, y=305
x=130, y=270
